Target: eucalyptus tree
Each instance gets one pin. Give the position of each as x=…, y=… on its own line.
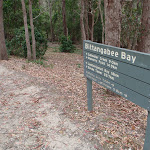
x=144, y=44
x=101, y=11
x=50, y=5
x=32, y=31
x=64, y=17
x=82, y=21
x=3, y=50
x=89, y=16
x=26, y=30
x=112, y=22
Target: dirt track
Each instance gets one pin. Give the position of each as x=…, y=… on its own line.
x=30, y=118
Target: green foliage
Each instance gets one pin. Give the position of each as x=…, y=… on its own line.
x=13, y=16
x=17, y=46
x=57, y=20
x=73, y=19
x=41, y=62
x=79, y=65
x=98, y=31
x=66, y=45
x=131, y=24
x=38, y=61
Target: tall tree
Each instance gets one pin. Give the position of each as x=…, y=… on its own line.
x=82, y=21
x=64, y=17
x=86, y=18
x=3, y=50
x=83, y=34
x=32, y=30
x=144, y=44
x=112, y=22
x=26, y=30
x=50, y=4
x=91, y=20
x=102, y=20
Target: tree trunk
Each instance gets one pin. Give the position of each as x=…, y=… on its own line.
x=3, y=50
x=26, y=30
x=102, y=20
x=32, y=31
x=82, y=22
x=86, y=24
x=90, y=18
x=92, y=28
x=144, y=44
x=64, y=17
x=50, y=14
x=112, y=22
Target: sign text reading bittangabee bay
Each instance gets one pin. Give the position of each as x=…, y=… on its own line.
x=123, y=55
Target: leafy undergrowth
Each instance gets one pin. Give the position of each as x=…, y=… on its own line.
x=115, y=123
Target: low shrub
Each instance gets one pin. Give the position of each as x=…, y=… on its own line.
x=66, y=45
x=17, y=45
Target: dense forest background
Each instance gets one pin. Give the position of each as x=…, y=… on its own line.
x=28, y=25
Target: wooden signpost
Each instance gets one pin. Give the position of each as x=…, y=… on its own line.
x=122, y=71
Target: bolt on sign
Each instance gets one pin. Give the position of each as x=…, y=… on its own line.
x=124, y=72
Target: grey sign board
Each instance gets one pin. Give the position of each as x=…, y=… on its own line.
x=122, y=71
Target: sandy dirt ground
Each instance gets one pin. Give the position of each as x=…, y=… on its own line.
x=30, y=119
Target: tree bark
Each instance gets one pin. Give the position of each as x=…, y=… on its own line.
x=102, y=20
x=26, y=30
x=86, y=24
x=144, y=44
x=50, y=15
x=91, y=21
x=82, y=21
x=32, y=31
x=112, y=22
x=64, y=17
x=92, y=28
x=3, y=49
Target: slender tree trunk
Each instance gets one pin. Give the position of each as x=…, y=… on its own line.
x=32, y=31
x=102, y=20
x=26, y=30
x=50, y=14
x=82, y=22
x=112, y=22
x=92, y=28
x=3, y=50
x=91, y=21
x=64, y=17
x=86, y=24
x=144, y=44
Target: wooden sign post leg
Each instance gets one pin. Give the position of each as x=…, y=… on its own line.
x=89, y=94
x=147, y=135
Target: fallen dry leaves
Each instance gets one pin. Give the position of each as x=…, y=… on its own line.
x=115, y=122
